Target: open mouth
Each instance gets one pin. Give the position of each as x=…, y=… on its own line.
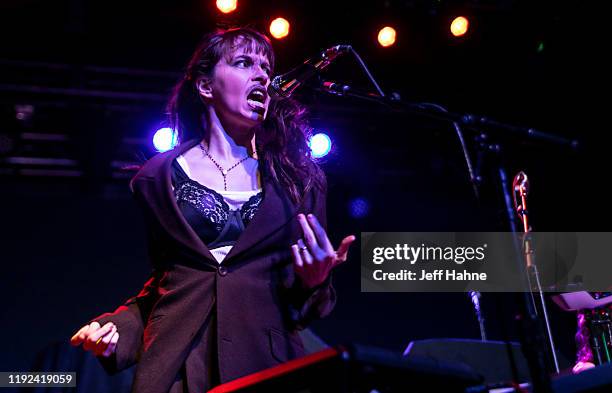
x=257, y=99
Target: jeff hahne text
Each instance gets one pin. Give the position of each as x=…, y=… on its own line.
x=415, y=258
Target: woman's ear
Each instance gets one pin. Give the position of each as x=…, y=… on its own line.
x=204, y=87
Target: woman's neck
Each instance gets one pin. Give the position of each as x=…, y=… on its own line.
x=228, y=145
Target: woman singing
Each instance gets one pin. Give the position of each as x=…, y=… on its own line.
x=237, y=232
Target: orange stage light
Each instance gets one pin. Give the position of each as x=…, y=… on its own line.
x=459, y=26
x=279, y=28
x=386, y=36
x=227, y=6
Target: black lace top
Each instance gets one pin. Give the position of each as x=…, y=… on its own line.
x=207, y=211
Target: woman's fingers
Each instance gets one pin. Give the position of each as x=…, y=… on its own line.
x=102, y=341
x=91, y=342
x=309, y=236
x=304, y=253
x=297, y=258
x=343, y=249
x=107, y=337
x=112, y=345
x=310, y=271
x=79, y=336
x=101, y=332
x=320, y=234
x=84, y=332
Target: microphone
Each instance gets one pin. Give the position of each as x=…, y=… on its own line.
x=284, y=85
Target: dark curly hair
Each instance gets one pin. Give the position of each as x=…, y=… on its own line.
x=281, y=140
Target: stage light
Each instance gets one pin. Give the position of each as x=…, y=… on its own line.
x=320, y=145
x=459, y=26
x=386, y=36
x=164, y=139
x=227, y=6
x=359, y=207
x=279, y=28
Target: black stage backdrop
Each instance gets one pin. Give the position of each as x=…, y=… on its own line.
x=73, y=247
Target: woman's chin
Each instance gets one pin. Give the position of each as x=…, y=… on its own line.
x=256, y=116
x=245, y=118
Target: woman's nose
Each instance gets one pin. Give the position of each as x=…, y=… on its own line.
x=261, y=75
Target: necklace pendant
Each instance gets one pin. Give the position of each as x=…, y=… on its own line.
x=224, y=172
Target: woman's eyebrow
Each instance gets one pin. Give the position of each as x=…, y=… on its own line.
x=242, y=55
x=250, y=57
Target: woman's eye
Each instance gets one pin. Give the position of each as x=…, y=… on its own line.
x=243, y=63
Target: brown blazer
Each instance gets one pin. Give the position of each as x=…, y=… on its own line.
x=258, y=301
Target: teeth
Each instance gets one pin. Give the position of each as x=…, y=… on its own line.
x=257, y=95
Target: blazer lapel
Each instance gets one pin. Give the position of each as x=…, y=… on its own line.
x=275, y=210
x=162, y=201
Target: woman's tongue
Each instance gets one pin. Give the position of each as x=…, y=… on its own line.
x=255, y=104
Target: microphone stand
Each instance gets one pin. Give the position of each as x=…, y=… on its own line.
x=470, y=121
x=520, y=185
x=532, y=334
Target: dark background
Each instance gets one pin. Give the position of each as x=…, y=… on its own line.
x=98, y=72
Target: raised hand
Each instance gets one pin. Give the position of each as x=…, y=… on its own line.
x=313, y=255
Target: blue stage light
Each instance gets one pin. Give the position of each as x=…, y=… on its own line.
x=320, y=145
x=359, y=207
x=164, y=139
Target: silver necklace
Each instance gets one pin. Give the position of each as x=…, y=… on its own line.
x=223, y=171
